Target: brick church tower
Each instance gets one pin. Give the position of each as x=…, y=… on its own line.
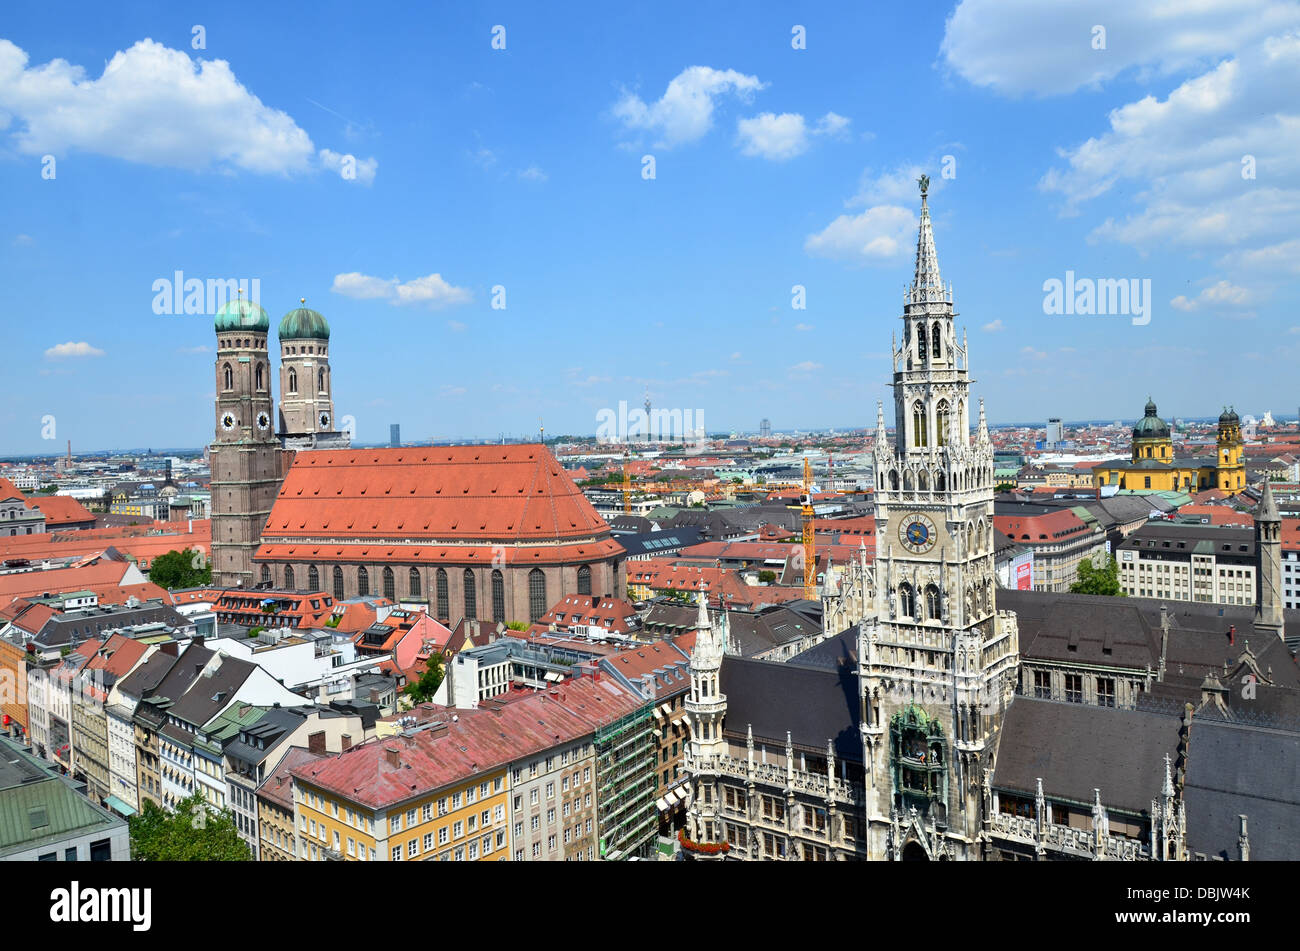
x=243, y=458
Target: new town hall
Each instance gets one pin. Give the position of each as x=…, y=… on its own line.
x=913, y=734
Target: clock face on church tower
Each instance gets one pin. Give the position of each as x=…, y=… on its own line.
x=917, y=534
x=228, y=422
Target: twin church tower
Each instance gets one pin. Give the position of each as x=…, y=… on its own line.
x=250, y=456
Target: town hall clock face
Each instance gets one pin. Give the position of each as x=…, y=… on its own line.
x=917, y=533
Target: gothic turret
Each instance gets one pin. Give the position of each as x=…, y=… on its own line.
x=1268, y=570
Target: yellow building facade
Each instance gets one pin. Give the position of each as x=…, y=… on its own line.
x=1154, y=467
x=463, y=821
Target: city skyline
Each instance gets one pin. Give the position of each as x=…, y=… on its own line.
x=453, y=190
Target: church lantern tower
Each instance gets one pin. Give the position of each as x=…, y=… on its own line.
x=1230, y=459
x=306, y=389
x=706, y=708
x=243, y=460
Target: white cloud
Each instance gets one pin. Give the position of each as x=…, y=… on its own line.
x=993, y=326
x=1032, y=353
x=455, y=326
x=432, y=290
x=1188, y=161
x=806, y=366
x=199, y=349
x=891, y=188
x=349, y=167
x=362, y=286
x=22, y=239
x=151, y=105
x=1019, y=47
x=782, y=137
x=879, y=235
x=770, y=136
x=70, y=349
x=1221, y=296
x=803, y=327
x=532, y=174
x=684, y=113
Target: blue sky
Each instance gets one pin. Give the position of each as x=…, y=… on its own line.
x=522, y=168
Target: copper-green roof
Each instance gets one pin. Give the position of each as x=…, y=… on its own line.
x=303, y=323
x=241, y=314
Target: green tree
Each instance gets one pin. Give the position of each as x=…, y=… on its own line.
x=767, y=577
x=181, y=569
x=1094, y=580
x=193, y=833
x=422, y=690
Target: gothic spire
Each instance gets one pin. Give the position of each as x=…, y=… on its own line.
x=1267, y=507
x=927, y=285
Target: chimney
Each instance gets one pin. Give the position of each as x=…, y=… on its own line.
x=393, y=756
x=197, y=640
x=316, y=742
x=347, y=742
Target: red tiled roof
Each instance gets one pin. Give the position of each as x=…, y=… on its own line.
x=394, y=769
x=9, y=491
x=437, y=495
x=26, y=584
x=1035, y=528
x=60, y=510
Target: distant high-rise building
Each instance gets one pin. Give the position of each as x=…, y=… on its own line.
x=395, y=435
x=765, y=428
x=1055, y=434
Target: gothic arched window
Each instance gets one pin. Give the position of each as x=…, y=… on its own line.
x=261, y=382
x=390, y=588
x=288, y=577
x=413, y=583
x=228, y=377
x=941, y=423
x=498, y=597
x=584, y=580
x=293, y=380
x=893, y=479
x=313, y=578
x=920, y=437
x=320, y=381
x=920, y=341
x=906, y=603
x=922, y=481
x=471, y=595
x=440, y=584
x=266, y=574
x=935, y=339
x=338, y=583
x=932, y=602
x=363, y=582
x=536, y=594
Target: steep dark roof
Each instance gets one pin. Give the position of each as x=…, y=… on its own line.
x=1076, y=748
x=1235, y=770
x=144, y=680
x=812, y=705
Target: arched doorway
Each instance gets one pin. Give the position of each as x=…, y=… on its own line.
x=913, y=852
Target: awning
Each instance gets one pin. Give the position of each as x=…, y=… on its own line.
x=667, y=709
x=659, y=714
x=553, y=676
x=662, y=804
x=117, y=805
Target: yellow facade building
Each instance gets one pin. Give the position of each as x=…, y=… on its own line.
x=464, y=820
x=1154, y=467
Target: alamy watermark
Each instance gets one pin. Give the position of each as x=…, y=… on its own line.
x=657, y=425
x=1102, y=297
x=181, y=295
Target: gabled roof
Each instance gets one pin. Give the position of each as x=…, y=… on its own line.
x=434, y=494
x=1075, y=748
x=813, y=704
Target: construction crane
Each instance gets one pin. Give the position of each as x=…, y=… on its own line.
x=809, y=538
x=627, y=487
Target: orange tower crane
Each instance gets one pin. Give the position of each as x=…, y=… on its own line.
x=809, y=539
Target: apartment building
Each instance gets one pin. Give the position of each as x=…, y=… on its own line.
x=1182, y=562
x=1059, y=540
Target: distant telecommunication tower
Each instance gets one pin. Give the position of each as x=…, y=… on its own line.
x=765, y=428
